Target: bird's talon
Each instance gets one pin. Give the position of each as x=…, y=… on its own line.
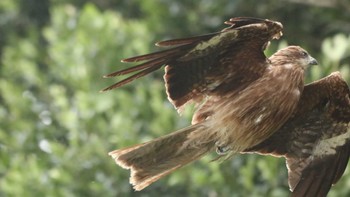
x=222, y=150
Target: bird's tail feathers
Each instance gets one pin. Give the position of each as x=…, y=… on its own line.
x=155, y=159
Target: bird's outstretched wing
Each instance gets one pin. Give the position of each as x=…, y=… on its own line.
x=210, y=64
x=316, y=140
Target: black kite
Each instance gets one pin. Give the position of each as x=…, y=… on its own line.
x=244, y=99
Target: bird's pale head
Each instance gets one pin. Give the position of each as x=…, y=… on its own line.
x=293, y=55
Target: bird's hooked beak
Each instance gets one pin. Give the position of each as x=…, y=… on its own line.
x=312, y=61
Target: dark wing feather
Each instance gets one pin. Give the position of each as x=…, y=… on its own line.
x=207, y=64
x=133, y=77
x=242, y=21
x=341, y=160
x=323, y=113
x=320, y=174
x=156, y=55
x=185, y=41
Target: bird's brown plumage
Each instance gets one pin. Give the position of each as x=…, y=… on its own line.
x=316, y=140
x=195, y=66
x=242, y=96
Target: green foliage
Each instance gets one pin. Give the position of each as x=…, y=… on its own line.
x=56, y=128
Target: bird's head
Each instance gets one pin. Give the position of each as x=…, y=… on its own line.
x=294, y=55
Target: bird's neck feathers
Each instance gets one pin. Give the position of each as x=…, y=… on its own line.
x=288, y=71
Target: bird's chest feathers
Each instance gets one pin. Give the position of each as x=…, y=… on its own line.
x=246, y=118
x=276, y=93
x=268, y=101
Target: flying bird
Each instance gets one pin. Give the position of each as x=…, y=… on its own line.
x=316, y=139
x=242, y=96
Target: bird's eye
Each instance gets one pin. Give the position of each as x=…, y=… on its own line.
x=304, y=53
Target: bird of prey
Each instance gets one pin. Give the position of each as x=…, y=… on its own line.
x=242, y=96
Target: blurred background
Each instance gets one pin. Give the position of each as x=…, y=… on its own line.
x=56, y=128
